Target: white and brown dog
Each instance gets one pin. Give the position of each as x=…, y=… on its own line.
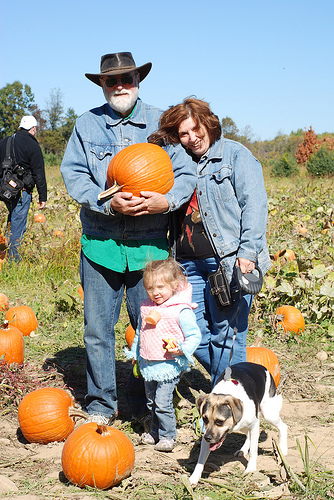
x=234, y=405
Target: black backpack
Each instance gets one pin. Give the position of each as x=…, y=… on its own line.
x=11, y=174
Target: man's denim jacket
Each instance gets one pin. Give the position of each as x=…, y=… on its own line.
x=98, y=135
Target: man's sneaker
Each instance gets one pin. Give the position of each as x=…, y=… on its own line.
x=147, y=438
x=165, y=445
x=100, y=419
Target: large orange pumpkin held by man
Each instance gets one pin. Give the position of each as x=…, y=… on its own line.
x=139, y=167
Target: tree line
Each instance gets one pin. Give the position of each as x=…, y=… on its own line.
x=54, y=124
x=281, y=156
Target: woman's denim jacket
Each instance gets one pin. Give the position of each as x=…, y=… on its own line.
x=98, y=135
x=233, y=204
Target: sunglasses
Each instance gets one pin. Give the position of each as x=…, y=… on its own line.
x=125, y=79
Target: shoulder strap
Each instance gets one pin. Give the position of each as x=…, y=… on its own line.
x=13, y=141
x=9, y=144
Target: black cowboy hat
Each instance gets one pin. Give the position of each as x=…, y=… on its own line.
x=118, y=64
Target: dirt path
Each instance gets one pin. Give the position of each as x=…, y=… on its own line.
x=27, y=463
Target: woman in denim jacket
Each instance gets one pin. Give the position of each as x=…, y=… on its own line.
x=224, y=223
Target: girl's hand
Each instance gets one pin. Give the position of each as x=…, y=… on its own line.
x=176, y=351
x=133, y=361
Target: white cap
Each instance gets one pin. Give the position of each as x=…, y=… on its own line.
x=28, y=122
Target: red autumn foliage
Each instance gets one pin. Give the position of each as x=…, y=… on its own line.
x=311, y=144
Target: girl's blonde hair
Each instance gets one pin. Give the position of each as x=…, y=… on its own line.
x=169, y=271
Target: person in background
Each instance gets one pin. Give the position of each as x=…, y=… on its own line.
x=28, y=155
x=223, y=224
x=119, y=235
x=166, y=337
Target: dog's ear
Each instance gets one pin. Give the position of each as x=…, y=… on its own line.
x=200, y=400
x=236, y=407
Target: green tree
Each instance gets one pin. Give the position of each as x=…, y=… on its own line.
x=54, y=109
x=69, y=123
x=229, y=129
x=321, y=163
x=52, y=142
x=38, y=114
x=16, y=101
x=285, y=167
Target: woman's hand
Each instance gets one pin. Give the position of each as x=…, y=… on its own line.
x=246, y=266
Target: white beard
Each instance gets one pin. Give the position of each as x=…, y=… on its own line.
x=122, y=101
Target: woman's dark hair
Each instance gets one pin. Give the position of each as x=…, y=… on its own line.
x=171, y=119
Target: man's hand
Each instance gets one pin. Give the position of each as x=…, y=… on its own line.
x=126, y=203
x=41, y=205
x=149, y=202
x=154, y=203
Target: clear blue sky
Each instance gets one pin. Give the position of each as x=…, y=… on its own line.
x=267, y=64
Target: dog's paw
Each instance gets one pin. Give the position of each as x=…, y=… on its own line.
x=250, y=468
x=239, y=454
x=284, y=448
x=193, y=480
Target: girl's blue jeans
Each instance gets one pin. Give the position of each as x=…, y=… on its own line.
x=160, y=402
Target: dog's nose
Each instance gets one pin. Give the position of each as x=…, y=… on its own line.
x=207, y=437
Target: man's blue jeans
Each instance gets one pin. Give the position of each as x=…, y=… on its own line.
x=103, y=294
x=216, y=324
x=17, y=223
x=160, y=402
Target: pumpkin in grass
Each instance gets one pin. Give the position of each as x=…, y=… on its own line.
x=4, y=302
x=58, y=234
x=139, y=167
x=286, y=254
x=23, y=317
x=290, y=319
x=129, y=335
x=47, y=415
x=98, y=456
x=11, y=344
x=267, y=358
x=39, y=218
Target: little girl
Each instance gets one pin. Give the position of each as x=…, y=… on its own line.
x=166, y=337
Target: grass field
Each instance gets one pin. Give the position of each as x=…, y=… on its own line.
x=301, y=218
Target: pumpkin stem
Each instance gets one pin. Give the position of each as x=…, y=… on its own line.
x=108, y=193
x=257, y=342
x=102, y=429
x=76, y=412
x=5, y=325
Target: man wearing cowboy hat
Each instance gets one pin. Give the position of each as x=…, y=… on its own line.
x=122, y=233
